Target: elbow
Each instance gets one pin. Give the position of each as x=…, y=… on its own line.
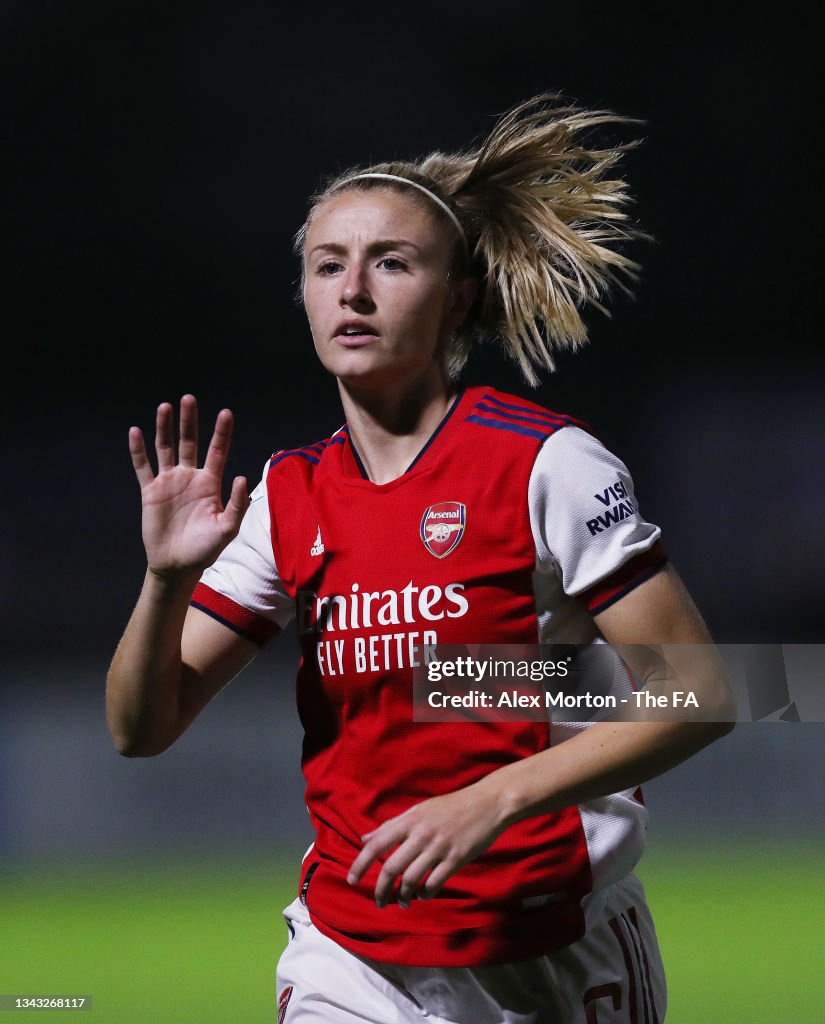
x=126, y=749
x=717, y=730
x=713, y=707
x=719, y=720
x=134, y=745
x=711, y=719
x=135, y=735
x=129, y=748
x=727, y=726
x=725, y=711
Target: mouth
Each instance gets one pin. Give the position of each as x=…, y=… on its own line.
x=355, y=333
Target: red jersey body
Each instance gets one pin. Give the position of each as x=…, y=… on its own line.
x=483, y=540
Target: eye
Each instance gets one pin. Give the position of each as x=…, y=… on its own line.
x=392, y=263
x=327, y=268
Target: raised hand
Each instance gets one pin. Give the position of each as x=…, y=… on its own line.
x=185, y=524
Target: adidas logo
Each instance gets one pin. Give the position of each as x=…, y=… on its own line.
x=318, y=547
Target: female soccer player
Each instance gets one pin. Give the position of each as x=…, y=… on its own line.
x=462, y=871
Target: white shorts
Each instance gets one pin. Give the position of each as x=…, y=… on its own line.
x=612, y=975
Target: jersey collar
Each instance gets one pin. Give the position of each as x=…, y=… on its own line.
x=353, y=466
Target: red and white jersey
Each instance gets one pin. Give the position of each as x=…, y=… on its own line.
x=514, y=525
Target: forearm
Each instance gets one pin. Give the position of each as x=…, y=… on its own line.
x=607, y=757
x=443, y=833
x=623, y=752
x=144, y=684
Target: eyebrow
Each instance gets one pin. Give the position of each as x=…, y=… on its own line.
x=378, y=246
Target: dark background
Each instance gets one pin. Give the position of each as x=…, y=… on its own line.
x=156, y=164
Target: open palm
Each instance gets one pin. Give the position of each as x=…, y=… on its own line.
x=185, y=523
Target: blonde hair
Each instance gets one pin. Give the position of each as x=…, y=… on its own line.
x=545, y=221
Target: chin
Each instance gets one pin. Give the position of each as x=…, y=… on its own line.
x=364, y=370
x=366, y=377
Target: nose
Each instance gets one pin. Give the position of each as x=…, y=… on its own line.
x=355, y=291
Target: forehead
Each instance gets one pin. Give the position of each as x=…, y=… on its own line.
x=357, y=216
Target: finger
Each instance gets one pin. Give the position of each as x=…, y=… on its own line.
x=379, y=844
x=140, y=460
x=393, y=867
x=219, y=445
x=361, y=864
x=164, y=444
x=399, y=825
x=437, y=878
x=236, y=506
x=188, y=443
x=412, y=877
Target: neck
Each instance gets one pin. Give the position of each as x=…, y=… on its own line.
x=390, y=428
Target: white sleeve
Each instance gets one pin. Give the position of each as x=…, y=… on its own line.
x=583, y=511
x=245, y=571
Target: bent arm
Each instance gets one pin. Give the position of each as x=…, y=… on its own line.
x=171, y=661
x=445, y=832
x=611, y=756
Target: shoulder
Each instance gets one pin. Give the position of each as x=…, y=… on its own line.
x=302, y=461
x=574, y=464
x=518, y=417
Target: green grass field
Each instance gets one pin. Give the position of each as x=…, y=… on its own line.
x=741, y=932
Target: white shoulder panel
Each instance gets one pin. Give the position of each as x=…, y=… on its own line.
x=583, y=511
x=246, y=572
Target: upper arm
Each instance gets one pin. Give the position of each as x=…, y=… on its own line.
x=239, y=604
x=590, y=534
x=658, y=631
x=658, y=611
x=212, y=654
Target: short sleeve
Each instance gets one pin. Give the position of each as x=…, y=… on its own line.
x=586, y=522
x=243, y=589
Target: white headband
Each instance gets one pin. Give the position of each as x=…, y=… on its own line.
x=421, y=188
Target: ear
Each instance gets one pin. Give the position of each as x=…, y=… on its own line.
x=463, y=295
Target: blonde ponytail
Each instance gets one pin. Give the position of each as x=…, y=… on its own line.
x=545, y=218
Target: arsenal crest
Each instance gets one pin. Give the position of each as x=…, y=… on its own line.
x=442, y=527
